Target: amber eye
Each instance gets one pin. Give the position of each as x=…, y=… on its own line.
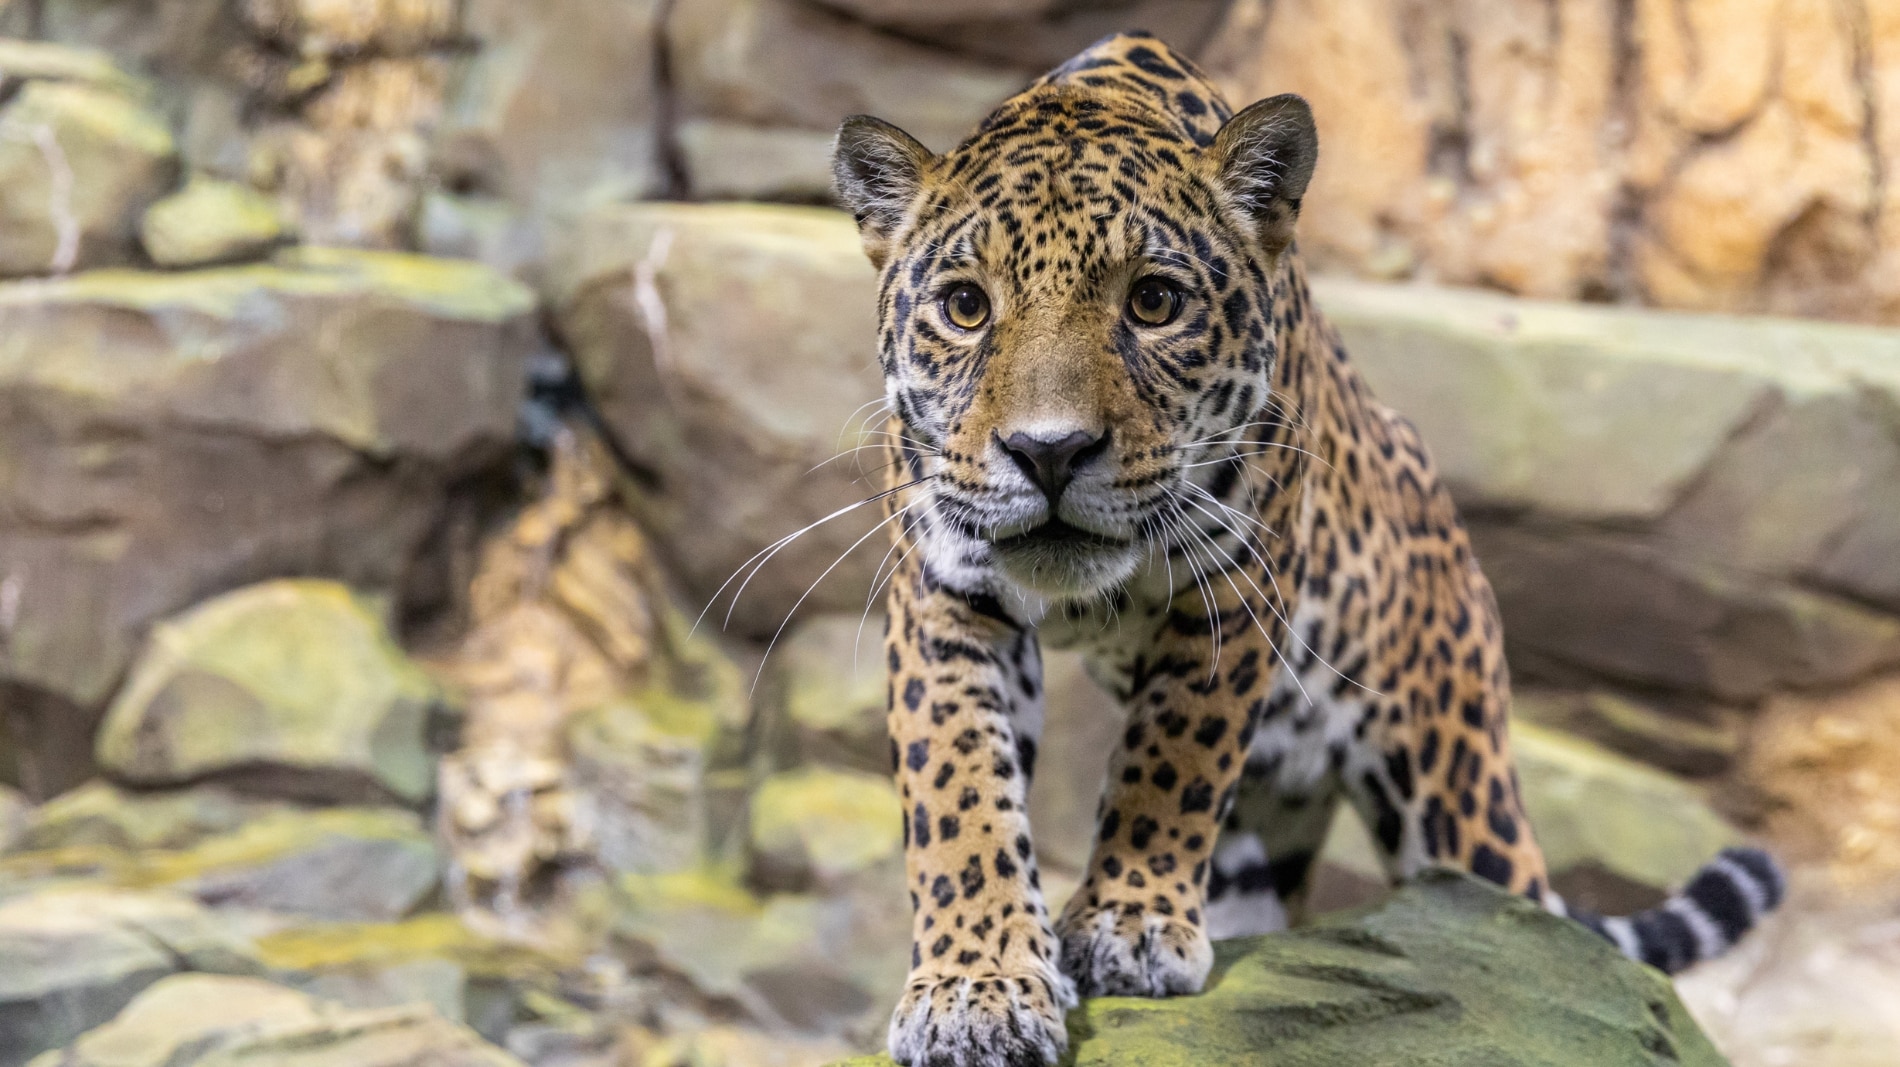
x=1154, y=302
x=966, y=307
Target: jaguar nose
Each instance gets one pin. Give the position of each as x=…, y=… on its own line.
x=1051, y=461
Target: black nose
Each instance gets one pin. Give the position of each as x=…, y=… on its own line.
x=1052, y=462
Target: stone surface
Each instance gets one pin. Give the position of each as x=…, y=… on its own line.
x=334, y=863
x=81, y=155
x=740, y=161
x=1725, y=158
x=14, y=810
x=171, y=436
x=1450, y=970
x=1670, y=500
x=734, y=418
x=69, y=960
x=823, y=695
x=555, y=111
x=102, y=815
x=1692, y=741
x=213, y=1019
x=294, y=684
x=818, y=828
x=754, y=61
x=817, y=964
x=210, y=221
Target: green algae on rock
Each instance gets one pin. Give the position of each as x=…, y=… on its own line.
x=299, y=676
x=210, y=221
x=1448, y=971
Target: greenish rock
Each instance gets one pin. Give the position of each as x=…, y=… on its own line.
x=79, y=161
x=299, y=678
x=820, y=964
x=817, y=826
x=1591, y=810
x=103, y=815
x=334, y=863
x=71, y=958
x=1697, y=740
x=1591, y=806
x=172, y=434
x=741, y=161
x=656, y=772
x=824, y=693
x=210, y=221
x=192, y=1020
x=1448, y=971
x=24, y=61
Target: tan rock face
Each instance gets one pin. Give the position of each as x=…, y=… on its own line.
x=1726, y=155
x=743, y=426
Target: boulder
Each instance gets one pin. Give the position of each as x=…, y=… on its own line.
x=742, y=425
x=1037, y=35
x=81, y=155
x=335, y=863
x=824, y=695
x=758, y=62
x=176, y=435
x=818, y=827
x=1692, y=741
x=825, y=965
x=740, y=161
x=1617, y=834
x=14, y=810
x=199, y=1019
x=102, y=815
x=1695, y=503
x=295, y=684
x=210, y=221
x=70, y=959
x=1448, y=970
x=557, y=109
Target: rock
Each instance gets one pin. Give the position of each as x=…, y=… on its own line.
x=821, y=965
x=432, y=958
x=644, y=775
x=729, y=414
x=296, y=679
x=1719, y=160
x=70, y=959
x=1037, y=36
x=1592, y=807
x=1449, y=970
x=1694, y=503
x=820, y=827
x=752, y=61
x=80, y=158
x=210, y=221
x=824, y=695
x=102, y=815
x=557, y=110
x=739, y=161
x=177, y=435
x=212, y=1019
x=1693, y=741
x=336, y=863
x=14, y=811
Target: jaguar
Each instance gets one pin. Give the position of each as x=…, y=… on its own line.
x=1119, y=424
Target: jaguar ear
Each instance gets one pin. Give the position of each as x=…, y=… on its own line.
x=1266, y=155
x=877, y=170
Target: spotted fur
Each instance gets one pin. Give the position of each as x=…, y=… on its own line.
x=1258, y=559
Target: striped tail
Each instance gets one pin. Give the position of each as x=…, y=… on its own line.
x=1724, y=900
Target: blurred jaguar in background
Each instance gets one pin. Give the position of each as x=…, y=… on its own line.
x=1120, y=424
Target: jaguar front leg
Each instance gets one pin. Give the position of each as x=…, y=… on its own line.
x=1137, y=925
x=984, y=988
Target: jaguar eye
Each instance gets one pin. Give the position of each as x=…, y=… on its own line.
x=1154, y=302
x=966, y=307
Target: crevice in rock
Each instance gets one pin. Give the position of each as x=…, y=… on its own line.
x=1448, y=151
x=1620, y=281
x=1860, y=28
x=668, y=155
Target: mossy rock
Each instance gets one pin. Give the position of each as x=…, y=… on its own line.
x=1448, y=971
